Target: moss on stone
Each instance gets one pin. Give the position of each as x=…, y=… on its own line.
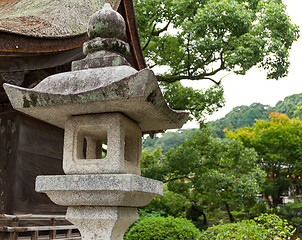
x=117, y=61
x=98, y=28
x=26, y=103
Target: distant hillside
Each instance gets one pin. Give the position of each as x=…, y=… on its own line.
x=168, y=140
x=242, y=116
x=288, y=105
x=238, y=117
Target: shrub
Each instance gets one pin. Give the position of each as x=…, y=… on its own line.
x=171, y=204
x=292, y=212
x=259, y=208
x=265, y=227
x=239, y=231
x=163, y=228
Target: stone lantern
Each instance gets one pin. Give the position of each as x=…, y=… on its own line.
x=104, y=105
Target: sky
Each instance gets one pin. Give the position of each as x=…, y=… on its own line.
x=254, y=87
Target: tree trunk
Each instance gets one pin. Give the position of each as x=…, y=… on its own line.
x=205, y=221
x=232, y=220
x=194, y=213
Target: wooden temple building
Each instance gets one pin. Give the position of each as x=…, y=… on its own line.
x=38, y=39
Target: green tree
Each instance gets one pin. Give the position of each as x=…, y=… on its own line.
x=298, y=110
x=279, y=146
x=239, y=117
x=168, y=140
x=246, y=116
x=150, y=163
x=171, y=204
x=207, y=170
x=198, y=102
x=288, y=106
x=232, y=35
x=197, y=39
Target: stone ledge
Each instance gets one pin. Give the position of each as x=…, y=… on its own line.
x=125, y=190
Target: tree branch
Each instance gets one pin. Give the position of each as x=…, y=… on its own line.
x=149, y=40
x=152, y=66
x=206, y=75
x=156, y=33
x=171, y=79
x=180, y=59
x=189, y=56
x=176, y=178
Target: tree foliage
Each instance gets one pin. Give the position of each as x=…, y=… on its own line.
x=198, y=102
x=289, y=105
x=171, y=204
x=168, y=140
x=279, y=146
x=264, y=227
x=298, y=110
x=293, y=213
x=203, y=169
x=168, y=228
x=239, y=117
x=246, y=116
x=208, y=36
x=198, y=39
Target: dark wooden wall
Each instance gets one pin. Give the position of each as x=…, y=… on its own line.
x=28, y=148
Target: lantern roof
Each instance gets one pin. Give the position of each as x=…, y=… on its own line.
x=103, y=82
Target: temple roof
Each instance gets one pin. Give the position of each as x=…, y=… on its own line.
x=39, y=34
x=39, y=38
x=51, y=19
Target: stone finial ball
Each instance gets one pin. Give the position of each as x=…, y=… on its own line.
x=107, y=23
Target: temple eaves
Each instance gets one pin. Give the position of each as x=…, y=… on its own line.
x=43, y=34
x=50, y=19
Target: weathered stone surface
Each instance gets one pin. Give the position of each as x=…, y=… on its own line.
x=125, y=190
x=106, y=44
x=107, y=23
x=100, y=59
x=136, y=95
x=77, y=82
x=102, y=223
x=44, y=18
x=110, y=86
x=123, y=138
x=100, y=108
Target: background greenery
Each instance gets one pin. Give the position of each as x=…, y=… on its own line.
x=202, y=40
x=220, y=183
x=217, y=182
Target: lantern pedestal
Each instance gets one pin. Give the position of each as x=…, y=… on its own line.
x=102, y=223
x=101, y=206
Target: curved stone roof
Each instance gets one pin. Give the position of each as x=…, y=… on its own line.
x=98, y=90
x=49, y=18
